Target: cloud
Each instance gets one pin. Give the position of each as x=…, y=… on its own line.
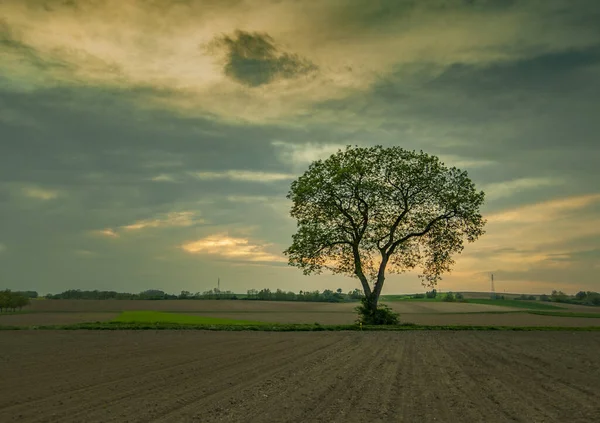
x=222, y=245
x=253, y=59
x=3, y=248
x=109, y=233
x=464, y=162
x=508, y=188
x=172, y=219
x=303, y=154
x=85, y=253
x=544, y=212
x=164, y=178
x=250, y=199
x=40, y=193
x=244, y=176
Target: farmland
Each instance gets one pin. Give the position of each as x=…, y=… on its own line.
x=270, y=376
x=167, y=376
x=61, y=312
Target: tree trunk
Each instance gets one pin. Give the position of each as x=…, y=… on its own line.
x=374, y=300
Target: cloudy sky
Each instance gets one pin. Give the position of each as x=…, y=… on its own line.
x=151, y=143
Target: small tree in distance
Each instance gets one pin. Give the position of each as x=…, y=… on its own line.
x=367, y=210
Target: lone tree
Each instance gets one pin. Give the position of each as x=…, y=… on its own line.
x=367, y=210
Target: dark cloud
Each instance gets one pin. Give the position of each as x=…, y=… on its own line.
x=254, y=60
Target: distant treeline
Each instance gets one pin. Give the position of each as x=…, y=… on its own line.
x=582, y=297
x=13, y=300
x=327, y=295
x=213, y=294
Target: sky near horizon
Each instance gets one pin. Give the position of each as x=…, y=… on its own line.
x=151, y=144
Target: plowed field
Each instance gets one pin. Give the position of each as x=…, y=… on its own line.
x=171, y=376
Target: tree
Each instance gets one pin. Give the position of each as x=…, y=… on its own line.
x=365, y=211
x=450, y=297
x=559, y=296
x=21, y=301
x=431, y=294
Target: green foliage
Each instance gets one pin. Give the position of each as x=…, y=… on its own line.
x=12, y=300
x=459, y=296
x=526, y=297
x=365, y=211
x=431, y=294
x=449, y=297
x=327, y=295
x=589, y=298
x=559, y=296
x=566, y=314
x=379, y=315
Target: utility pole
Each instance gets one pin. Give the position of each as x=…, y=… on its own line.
x=218, y=284
x=493, y=288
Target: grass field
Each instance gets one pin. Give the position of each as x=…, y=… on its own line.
x=566, y=314
x=178, y=318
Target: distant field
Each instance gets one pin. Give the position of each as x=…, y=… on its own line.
x=477, y=312
x=531, y=305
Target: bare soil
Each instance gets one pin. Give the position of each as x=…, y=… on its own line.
x=509, y=319
x=158, y=376
x=40, y=319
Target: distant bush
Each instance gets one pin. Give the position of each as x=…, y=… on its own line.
x=526, y=297
x=459, y=296
x=418, y=296
x=450, y=297
x=384, y=315
x=559, y=297
x=431, y=294
x=545, y=297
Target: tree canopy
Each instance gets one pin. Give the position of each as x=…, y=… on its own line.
x=363, y=211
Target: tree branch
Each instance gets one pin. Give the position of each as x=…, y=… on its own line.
x=423, y=232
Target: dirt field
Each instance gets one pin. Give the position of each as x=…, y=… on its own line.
x=147, y=376
x=39, y=319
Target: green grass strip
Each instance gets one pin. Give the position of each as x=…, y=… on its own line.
x=152, y=317
x=565, y=314
x=530, y=305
